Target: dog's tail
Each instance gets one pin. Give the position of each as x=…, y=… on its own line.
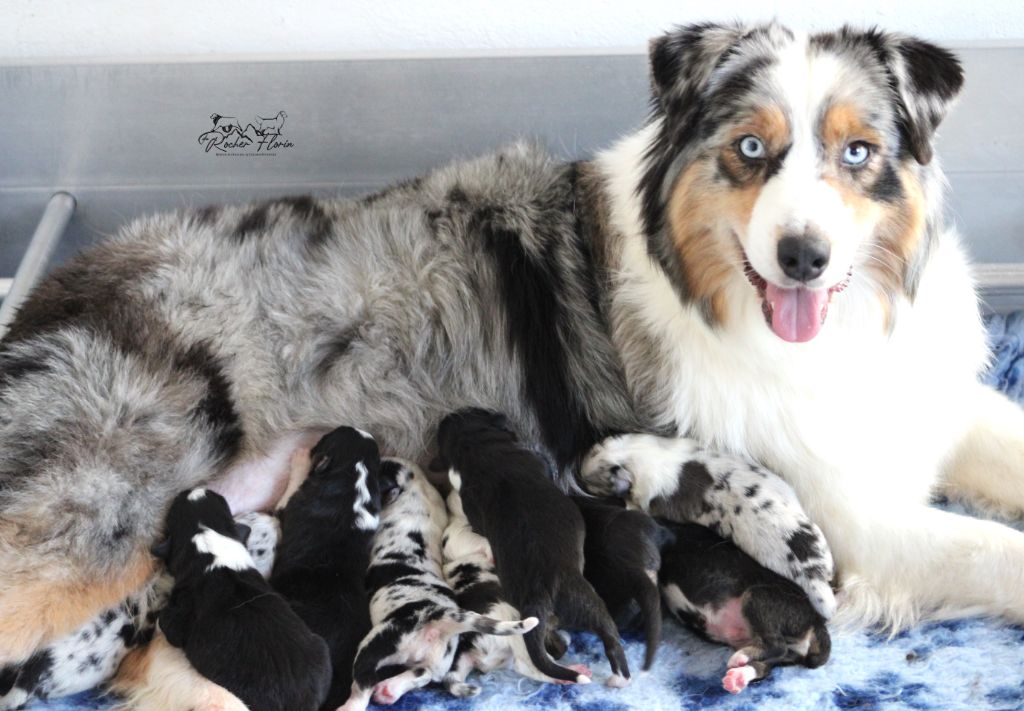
x=586, y=610
x=539, y=660
x=468, y=621
x=649, y=599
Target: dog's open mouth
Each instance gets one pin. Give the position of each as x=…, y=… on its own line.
x=795, y=314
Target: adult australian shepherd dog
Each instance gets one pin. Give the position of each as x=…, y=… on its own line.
x=763, y=268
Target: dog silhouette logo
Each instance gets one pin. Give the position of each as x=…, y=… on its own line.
x=260, y=137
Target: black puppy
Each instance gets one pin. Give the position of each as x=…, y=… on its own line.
x=721, y=592
x=327, y=529
x=622, y=555
x=234, y=629
x=536, y=534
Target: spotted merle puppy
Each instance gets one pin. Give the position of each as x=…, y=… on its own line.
x=622, y=555
x=535, y=531
x=721, y=592
x=469, y=569
x=234, y=629
x=327, y=529
x=90, y=655
x=674, y=479
x=416, y=621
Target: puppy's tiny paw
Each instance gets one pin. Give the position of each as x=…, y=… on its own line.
x=617, y=681
x=738, y=659
x=606, y=468
x=584, y=673
x=384, y=694
x=736, y=679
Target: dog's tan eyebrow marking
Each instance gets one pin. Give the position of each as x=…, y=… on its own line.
x=844, y=122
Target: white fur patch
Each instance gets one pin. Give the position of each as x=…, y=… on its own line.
x=226, y=552
x=197, y=494
x=365, y=521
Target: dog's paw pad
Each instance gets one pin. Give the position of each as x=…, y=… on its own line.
x=384, y=694
x=736, y=679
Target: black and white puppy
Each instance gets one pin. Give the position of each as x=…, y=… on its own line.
x=754, y=508
x=234, y=629
x=327, y=529
x=622, y=555
x=416, y=621
x=469, y=569
x=726, y=596
x=535, y=531
x=90, y=655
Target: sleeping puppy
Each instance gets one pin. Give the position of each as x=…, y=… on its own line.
x=469, y=569
x=234, y=629
x=535, y=531
x=737, y=499
x=327, y=528
x=622, y=555
x=721, y=592
x=415, y=617
x=91, y=654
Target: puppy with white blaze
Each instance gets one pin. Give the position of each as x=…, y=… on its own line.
x=231, y=626
x=416, y=620
x=762, y=268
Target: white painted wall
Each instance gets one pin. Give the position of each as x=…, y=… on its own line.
x=82, y=28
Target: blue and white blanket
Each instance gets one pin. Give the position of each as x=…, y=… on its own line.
x=968, y=664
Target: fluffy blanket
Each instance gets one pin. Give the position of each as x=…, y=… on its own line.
x=969, y=664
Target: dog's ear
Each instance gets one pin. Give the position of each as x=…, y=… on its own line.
x=161, y=549
x=242, y=532
x=928, y=79
x=682, y=61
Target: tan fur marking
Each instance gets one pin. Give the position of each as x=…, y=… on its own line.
x=899, y=234
x=701, y=214
x=842, y=124
x=50, y=604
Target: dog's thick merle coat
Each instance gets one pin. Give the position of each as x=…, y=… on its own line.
x=622, y=555
x=90, y=655
x=535, y=531
x=416, y=620
x=234, y=629
x=722, y=593
x=327, y=529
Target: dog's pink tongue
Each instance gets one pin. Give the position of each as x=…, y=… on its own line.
x=797, y=314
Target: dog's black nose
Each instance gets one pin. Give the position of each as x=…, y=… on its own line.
x=803, y=258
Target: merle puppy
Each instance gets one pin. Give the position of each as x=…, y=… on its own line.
x=234, y=629
x=91, y=654
x=622, y=555
x=535, y=531
x=416, y=619
x=726, y=596
x=327, y=529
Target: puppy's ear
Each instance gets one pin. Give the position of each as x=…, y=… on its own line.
x=928, y=79
x=682, y=61
x=161, y=549
x=242, y=532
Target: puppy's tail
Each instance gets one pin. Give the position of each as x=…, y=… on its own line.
x=468, y=621
x=587, y=611
x=649, y=599
x=539, y=659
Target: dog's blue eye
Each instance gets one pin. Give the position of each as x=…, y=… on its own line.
x=856, y=153
x=752, y=147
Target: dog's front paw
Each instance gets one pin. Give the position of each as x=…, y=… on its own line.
x=636, y=467
x=606, y=468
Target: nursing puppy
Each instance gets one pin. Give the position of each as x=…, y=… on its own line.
x=622, y=555
x=416, y=621
x=720, y=591
x=469, y=570
x=91, y=654
x=234, y=629
x=327, y=529
x=535, y=531
x=675, y=480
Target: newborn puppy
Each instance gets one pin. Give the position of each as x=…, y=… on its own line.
x=91, y=654
x=469, y=569
x=535, y=531
x=327, y=528
x=622, y=555
x=675, y=478
x=234, y=629
x=720, y=591
x=416, y=621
